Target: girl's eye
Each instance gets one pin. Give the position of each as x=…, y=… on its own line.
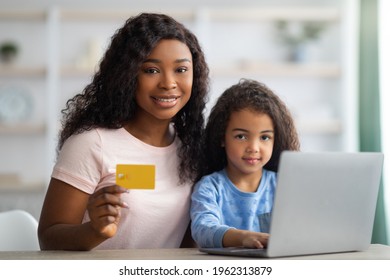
x=240, y=137
x=265, y=138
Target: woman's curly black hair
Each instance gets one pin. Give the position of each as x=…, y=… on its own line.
x=247, y=94
x=109, y=100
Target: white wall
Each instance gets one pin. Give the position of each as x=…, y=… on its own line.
x=384, y=64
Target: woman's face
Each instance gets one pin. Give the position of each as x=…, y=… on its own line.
x=165, y=80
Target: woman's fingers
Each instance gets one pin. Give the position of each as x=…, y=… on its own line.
x=104, y=208
x=114, y=189
x=109, y=195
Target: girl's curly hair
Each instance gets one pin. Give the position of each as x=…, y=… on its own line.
x=109, y=100
x=247, y=94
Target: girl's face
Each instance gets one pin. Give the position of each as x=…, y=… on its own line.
x=249, y=141
x=165, y=80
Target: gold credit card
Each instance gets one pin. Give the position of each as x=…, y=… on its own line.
x=135, y=176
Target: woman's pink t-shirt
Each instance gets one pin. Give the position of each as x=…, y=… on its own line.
x=156, y=218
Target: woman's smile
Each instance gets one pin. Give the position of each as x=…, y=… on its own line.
x=165, y=102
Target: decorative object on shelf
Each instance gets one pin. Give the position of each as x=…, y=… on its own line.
x=295, y=36
x=91, y=56
x=15, y=104
x=8, y=51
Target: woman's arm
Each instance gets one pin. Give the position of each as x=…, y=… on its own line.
x=188, y=241
x=60, y=224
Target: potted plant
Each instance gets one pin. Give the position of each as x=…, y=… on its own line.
x=8, y=51
x=295, y=35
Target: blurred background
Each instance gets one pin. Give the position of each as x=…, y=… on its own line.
x=324, y=58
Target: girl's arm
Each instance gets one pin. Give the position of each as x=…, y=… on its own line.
x=206, y=226
x=60, y=225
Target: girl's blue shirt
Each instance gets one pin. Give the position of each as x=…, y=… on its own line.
x=217, y=205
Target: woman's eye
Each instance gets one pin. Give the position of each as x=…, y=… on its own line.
x=151, y=71
x=182, y=69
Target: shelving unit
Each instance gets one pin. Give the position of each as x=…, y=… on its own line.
x=320, y=91
x=23, y=142
x=323, y=81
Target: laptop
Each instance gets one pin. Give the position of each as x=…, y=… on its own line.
x=325, y=202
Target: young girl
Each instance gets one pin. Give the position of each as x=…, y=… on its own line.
x=144, y=106
x=247, y=130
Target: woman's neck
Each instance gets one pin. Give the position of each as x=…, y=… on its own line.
x=153, y=133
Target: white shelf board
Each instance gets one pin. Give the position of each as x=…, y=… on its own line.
x=318, y=126
x=325, y=70
x=22, y=187
x=13, y=182
x=22, y=15
x=15, y=71
x=325, y=13
x=21, y=129
x=77, y=72
x=119, y=14
x=276, y=13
